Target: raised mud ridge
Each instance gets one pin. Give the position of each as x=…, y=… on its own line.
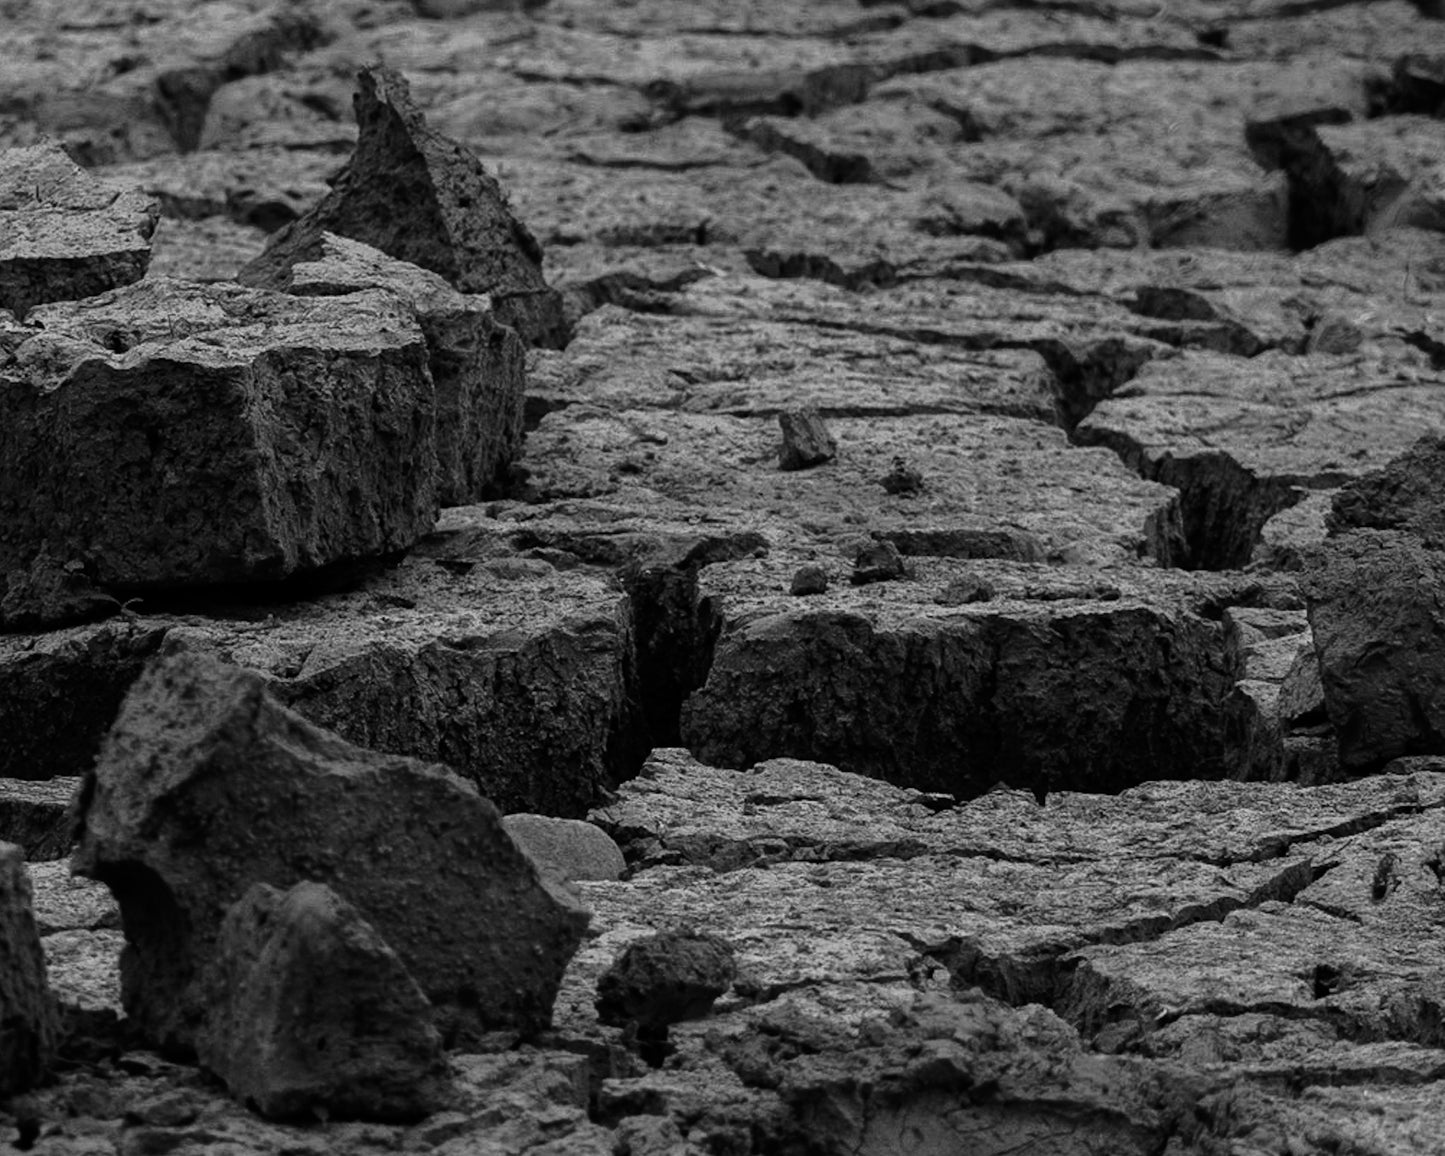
x=922, y=520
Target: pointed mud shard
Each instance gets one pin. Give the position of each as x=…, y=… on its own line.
x=170, y=435
x=63, y=234
x=29, y=1022
x=311, y=1013
x=806, y=440
x=206, y=785
x=477, y=365
x=422, y=197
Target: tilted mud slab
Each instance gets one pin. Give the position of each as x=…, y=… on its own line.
x=519, y=677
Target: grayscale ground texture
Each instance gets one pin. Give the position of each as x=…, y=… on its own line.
x=679, y=577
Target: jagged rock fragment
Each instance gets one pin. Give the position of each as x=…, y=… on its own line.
x=311, y=1013
x=29, y=1022
x=1334, y=333
x=418, y=196
x=1404, y=495
x=476, y=364
x=445, y=662
x=806, y=440
x=882, y=681
x=64, y=234
x=206, y=785
x=575, y=848
x=810, y=579
x=965, y=589
x=877, y=561
x=665, y=978
x=1301, y=697
x=173, y=435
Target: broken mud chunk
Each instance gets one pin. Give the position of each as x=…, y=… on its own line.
x=477, y=365
x=422, y=197
x=1404, y=495
x=183, y=813
x=172, y=436
x=64, y=234
x=312, y=1014
x=661, y=980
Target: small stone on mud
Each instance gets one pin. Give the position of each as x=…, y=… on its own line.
x=902, y=478
x=878, y=562
x=812, y=579
x=665, y=978
x=806, y=440
x=961, y=591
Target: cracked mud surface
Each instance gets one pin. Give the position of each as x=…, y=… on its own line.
x=1045, y=845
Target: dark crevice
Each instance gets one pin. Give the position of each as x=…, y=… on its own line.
x=1428, y=344
x=1224, y=505
x=790, y=94
x=1416, y=85
x=1043, y=974
x=183, y=94
x=878, y=274
x=1324, y=202
x=1086, y=371
x=1205, y=324
x=627, y=290
x=831, y=166
x=1114, y=54
x=675, y=628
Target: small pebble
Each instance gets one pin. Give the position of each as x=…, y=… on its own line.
x=878, y=562
x=902, y=478
x=810, y=579
x=806, y=440
x=961, y=591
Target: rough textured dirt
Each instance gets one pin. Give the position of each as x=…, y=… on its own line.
x=949, y=502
